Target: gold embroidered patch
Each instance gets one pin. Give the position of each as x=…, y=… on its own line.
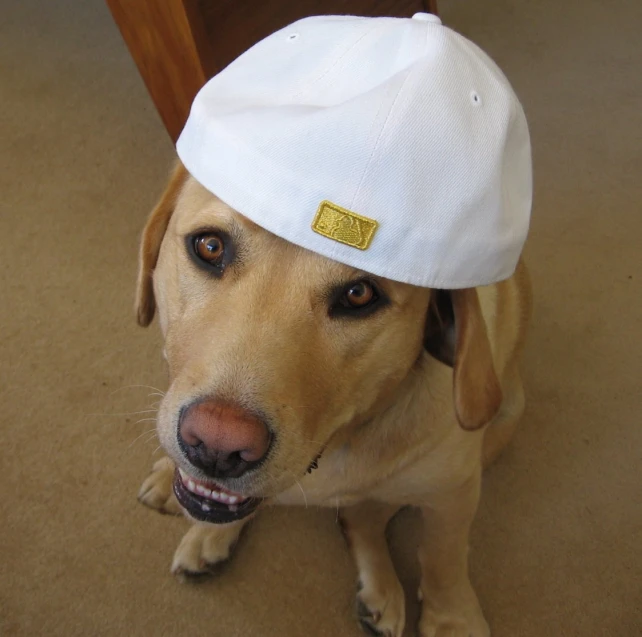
x=343, y=225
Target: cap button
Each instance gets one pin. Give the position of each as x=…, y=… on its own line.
x=427, y=17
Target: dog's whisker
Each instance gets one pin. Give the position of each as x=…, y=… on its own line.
x=145, y=420
x=126, y=413
x=145, y=433
x=273, y=482
x=149, y=431
x=305, y=497
x=156, y=389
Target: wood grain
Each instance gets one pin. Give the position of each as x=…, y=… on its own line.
x=170, y=45
x=179, y=44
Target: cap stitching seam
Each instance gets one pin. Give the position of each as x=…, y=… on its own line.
x=329, y=69
x=376, y=145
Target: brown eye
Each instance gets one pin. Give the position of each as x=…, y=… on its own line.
x=357, y=300
x=210, y=248
x=359, y=295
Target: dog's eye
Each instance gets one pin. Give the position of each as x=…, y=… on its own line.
x=210, y=248
x=358, y=299
x=359, y=295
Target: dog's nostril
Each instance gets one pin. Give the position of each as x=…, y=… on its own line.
x=230, y=463
x=191, y=440
x=222, y=440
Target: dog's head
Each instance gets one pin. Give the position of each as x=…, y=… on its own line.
x=273, y=349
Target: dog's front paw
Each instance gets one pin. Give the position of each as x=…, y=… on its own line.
x=381, y=608
x=157, y=491
x=452, y=614
x=205, y=546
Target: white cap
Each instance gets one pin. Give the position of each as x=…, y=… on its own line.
x=392, y=145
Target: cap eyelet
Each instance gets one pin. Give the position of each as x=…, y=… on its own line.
x=293, y=36
x=475, y=98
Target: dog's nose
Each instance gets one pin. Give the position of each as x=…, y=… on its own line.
x=224, y=441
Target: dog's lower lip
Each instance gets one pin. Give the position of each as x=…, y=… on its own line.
x=217, y=505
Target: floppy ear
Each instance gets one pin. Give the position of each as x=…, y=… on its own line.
x=150, y=244
x=456, y=335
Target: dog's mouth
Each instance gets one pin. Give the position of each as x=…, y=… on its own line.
x=209, y=502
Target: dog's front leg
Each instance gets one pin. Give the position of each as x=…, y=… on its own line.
x=449, y=604
x=380, y=599
x=157, y=492
x=206, y=545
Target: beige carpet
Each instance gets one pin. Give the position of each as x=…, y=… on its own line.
x=556, y=547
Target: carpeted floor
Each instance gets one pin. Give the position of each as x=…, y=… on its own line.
x=556, y=548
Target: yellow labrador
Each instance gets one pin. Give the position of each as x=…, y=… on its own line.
x=291, y=374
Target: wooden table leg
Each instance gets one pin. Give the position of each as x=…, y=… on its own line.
x=168, y=42
x=431, y=6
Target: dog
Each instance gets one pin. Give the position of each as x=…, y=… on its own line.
x=295, y=379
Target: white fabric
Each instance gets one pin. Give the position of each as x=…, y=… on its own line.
x=402, y=121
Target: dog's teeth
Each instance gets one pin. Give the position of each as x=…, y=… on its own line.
x=232, y=501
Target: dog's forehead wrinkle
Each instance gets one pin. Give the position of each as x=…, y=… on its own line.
x=283, y=273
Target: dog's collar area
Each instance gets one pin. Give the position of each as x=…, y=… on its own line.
x=315, y=463
x=209, y=502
